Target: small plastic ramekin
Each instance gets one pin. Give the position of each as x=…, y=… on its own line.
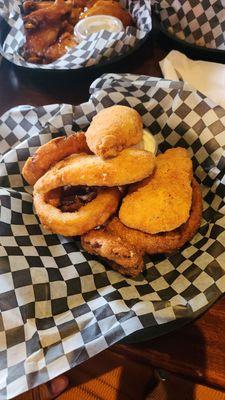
x=96, y=23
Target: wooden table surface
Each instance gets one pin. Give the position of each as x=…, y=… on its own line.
x=196, y=351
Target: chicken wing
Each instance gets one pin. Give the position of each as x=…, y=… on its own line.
x=30, y=5
x=123, y=257
x=109, y=7
x=49, y=25
x=42, y=28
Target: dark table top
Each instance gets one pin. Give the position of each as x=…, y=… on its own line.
x=196, y=351
x=22, y=86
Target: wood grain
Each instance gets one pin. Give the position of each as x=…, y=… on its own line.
x=196, y=351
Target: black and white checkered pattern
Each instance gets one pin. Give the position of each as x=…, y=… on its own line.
x=101, y=46
x=198, y=22
x=60, y=305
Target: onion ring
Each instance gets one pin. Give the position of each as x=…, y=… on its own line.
x=76, y=223
x=53, y=197
x=52, y=152
x=164, y=242
x=91, y=170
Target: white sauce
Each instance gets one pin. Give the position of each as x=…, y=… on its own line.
x=96, y=23
x=147, y=143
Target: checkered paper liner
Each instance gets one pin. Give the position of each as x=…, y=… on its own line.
x=99, y=47
x=60, y=305
x=201, y=23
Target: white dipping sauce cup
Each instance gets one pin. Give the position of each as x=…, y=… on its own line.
x=96, y=23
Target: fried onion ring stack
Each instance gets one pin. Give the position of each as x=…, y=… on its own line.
x=75, y=190
x=122, y=201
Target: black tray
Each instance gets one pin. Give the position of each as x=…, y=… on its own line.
x=195, y=52
x=100, y=68
x=145, y=335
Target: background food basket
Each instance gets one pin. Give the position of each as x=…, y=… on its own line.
x=100, y=47
x=195, y=22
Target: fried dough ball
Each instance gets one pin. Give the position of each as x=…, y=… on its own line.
x=113, y=129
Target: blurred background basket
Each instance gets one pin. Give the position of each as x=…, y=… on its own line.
x=197, y=27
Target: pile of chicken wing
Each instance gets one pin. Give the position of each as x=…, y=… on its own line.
x=49, y=25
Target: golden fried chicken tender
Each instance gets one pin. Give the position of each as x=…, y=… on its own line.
x=165, y=242
x=162, y=203
x=89, y=216
x=50, y=153
x=131, y=165
x=113, y=129
x=126, y=259
x=124, y=247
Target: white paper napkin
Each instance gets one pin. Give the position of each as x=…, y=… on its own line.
x=207, y=77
